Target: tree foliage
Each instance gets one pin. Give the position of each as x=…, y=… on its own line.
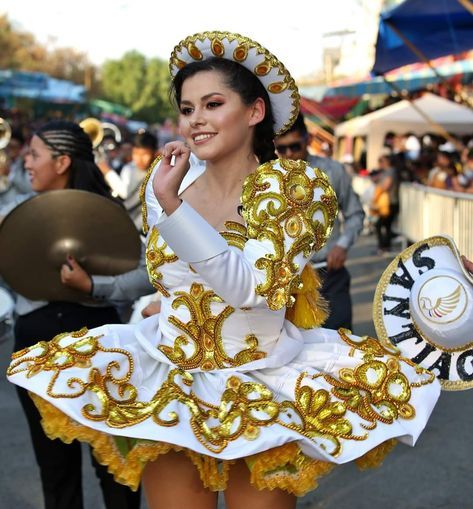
x=139, y=83
x=134, y=81
x=21, y=51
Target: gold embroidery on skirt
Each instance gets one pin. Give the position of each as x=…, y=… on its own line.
x=375, y=390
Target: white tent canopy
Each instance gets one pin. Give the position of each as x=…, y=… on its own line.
x=402, y=117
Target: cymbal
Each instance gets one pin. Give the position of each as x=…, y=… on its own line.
x=37, y=236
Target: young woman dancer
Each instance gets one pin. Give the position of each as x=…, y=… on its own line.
x=231, y=386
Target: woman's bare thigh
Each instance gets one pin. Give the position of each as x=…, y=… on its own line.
x=173, y=482
x=240, y=494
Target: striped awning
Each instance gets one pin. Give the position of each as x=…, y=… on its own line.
x=405, y=80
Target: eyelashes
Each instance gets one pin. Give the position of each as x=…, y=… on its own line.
x=211, y=105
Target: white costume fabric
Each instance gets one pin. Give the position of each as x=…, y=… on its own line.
x=220, y=371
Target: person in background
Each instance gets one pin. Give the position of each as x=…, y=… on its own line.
x=336, y=278
x=441, y=176
x=61, y=157
x=127, y=184
x=385, y=202
x=168, y=132
x=15, y=179
x=463, y=182
x=412, y=147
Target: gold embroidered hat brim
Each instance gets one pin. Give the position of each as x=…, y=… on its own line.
x=281, y=87
x=423, y=340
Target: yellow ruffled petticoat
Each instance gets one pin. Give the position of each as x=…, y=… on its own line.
x=284, y=467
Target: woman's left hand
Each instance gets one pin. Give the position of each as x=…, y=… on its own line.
x=74, y=276
x=168, y=178
x=468, y=264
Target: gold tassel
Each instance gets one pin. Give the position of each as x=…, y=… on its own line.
x=310, y=310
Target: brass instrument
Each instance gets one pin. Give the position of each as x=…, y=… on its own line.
x=5, y=136
x=94, y=130
x=5, y=133
x=98, y=232
x=97, y=131
x=110, y=129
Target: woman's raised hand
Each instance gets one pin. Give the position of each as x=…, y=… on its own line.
x=168, y=178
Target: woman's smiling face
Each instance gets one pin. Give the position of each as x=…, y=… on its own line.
x=213, y=119
x=45, y=171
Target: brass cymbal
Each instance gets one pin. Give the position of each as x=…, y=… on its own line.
x=37, y=236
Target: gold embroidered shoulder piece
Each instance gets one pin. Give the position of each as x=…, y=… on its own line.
x=156, y=256
x=292, y=206
x=144, y=209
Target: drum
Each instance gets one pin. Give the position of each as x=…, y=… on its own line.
x=6, y=315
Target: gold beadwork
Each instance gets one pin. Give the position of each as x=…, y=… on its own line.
x=235, y=235
x=194, y=51
x=218, y=49
x=205, y=331
x=55, y=357
x=277, y=87
x=375, y=390
x=241, y=52
x=144, y=209
x=155, y=257
x=285, y=217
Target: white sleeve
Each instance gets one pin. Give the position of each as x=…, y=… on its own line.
x=117, y=183
x=289, y=210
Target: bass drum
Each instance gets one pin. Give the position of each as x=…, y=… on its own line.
x=6, y=315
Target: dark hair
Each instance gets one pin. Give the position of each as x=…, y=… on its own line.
x=145, y=140
x=16, y=134
x=298, y=126
x=386, y=157
x=469, y=155
x=67, y=138
x=247, y=86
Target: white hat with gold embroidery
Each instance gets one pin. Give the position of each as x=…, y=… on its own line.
x=424, y=306
x=281, y=87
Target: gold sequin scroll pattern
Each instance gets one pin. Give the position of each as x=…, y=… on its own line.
x=291, y=218
x=204, y=332
x=155, y=257
x=56, y=357
x=376, y=390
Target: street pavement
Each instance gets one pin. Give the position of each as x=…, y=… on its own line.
x=436, y=474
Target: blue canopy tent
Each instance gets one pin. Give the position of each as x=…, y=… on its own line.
x=423, y=30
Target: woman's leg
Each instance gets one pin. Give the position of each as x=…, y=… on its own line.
x=59, y=463
x=173, y=482
x=115, y=495
x=240, y=494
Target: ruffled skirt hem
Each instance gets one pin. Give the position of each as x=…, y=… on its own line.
x=284, y=467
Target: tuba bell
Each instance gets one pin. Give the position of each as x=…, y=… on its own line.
x=112, y=131
x=5, y=136
x=94, y=130
x=5, y=133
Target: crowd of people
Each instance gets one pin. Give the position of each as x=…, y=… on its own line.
x=428, y=160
